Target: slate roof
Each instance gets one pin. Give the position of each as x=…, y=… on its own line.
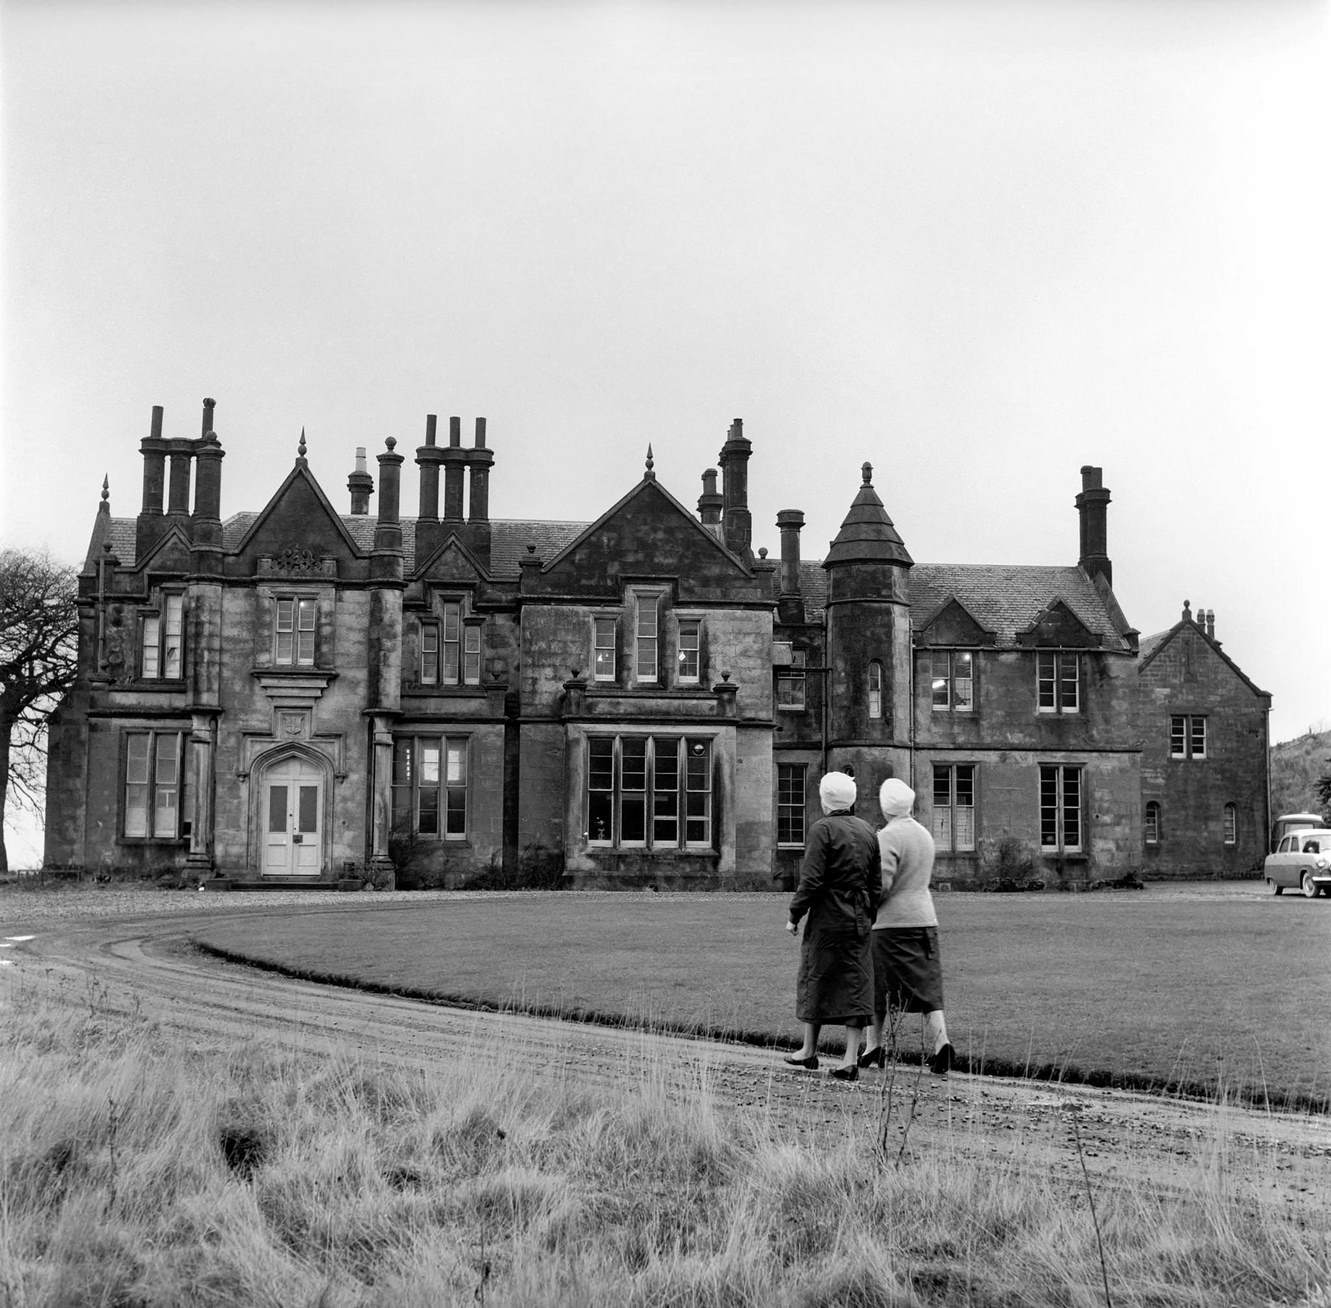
x=1003, y=598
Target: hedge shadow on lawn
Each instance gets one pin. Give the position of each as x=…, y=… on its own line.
x=1064, y=1073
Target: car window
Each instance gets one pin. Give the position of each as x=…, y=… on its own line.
x=1312, y=847
x=1285, y=845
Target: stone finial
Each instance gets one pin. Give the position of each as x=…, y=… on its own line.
x=1187, y=611
x=390, y=443
x=300, y=449
x=106, y=489
x=866, y=471
x=648, y=474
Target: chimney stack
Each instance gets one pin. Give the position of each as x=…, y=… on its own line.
x=1210, y=623
x=1092, y=505
x=361, y=485
x=428, y=458
x=736, y=521
x=153, y=449
x=710, y=501
x=790, y=601
x=455, y=460
x=479, y=462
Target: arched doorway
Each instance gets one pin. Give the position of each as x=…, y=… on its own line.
x=291, y=818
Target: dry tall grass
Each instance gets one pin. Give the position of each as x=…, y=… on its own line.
x=135, y=1172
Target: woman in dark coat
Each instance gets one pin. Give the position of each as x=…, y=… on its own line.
x=838, y=888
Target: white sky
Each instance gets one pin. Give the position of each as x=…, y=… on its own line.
x=978, y=244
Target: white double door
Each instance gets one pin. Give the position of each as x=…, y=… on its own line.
x=293, y=820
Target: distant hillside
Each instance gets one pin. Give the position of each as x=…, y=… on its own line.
x=1295, y=767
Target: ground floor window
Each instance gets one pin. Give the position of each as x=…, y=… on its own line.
x=1231, y=820
x=954, y=807
x=153, y=765
x=1060, y=808
x=649, y=792
x=430, y=786
x=790, y=786
x=1152, y=823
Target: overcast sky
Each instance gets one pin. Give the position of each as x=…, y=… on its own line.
x=977, y=244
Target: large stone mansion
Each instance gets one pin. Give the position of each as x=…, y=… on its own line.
x=314, y=693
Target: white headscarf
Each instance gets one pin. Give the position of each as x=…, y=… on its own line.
x=836, y=791
x=895, y=798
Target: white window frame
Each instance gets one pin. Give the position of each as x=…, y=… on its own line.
x=1056, y=808
x=679, y=801
x=795, y=679
x=295, y=626
x=1052, y=681
x=605, y=641
x=1187, y=735
x=1151, y=822
x=158, y=776
x=875, y=686
x=648, y=605
x=945, y=680
x=447, y=793
x=954, y=820
x=688, y=651
x=792, y=805
x=162, y=641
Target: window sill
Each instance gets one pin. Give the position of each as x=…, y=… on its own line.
x=180, y=841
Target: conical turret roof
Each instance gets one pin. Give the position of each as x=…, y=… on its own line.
x=867, y=534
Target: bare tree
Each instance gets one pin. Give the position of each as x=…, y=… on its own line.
x=39, y=624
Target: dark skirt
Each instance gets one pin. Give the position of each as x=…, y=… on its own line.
x=907, y=970
x=835, y=981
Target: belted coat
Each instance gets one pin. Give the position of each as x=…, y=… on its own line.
x=840, y=880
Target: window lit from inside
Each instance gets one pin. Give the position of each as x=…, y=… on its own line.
x=790, y=787
x=954, y=807
x=153, y=777
x=1058, y=687
x=294, y=637
x=430, y=786
x=649, y=792
x=952, y=680
x=1060, y=808
x=603, y=654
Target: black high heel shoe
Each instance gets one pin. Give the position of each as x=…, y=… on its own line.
x=875, y=1057
x=809, y=1064
x=941, y=1063
x=851, y=1073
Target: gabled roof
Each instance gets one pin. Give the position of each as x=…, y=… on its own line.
x=300, y=475
x=1151, y=647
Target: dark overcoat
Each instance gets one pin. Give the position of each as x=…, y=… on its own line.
x=840, y=880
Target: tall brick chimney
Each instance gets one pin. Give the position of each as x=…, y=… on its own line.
x=1092, y=505
x=736, y=521
x=455, y=461
x=428, y=458
x=710, y=501
x=479, y=462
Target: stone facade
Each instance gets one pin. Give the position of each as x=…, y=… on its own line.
x=302, y=694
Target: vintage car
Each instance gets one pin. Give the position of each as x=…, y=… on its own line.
x=1301, y=861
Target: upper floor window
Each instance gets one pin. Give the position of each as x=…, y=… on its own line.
x=649, y=792
x=952, y=678
x=647, y=666
x=293, y=637
x=450, y=648
x=152, y=778
x=690, y=650
x=790, y=804
x=1231, y=824
x=605, y=631
x=1060, y=808
x=1187, y=736
x=790, y=682
x=1151, y=823
x=875, y=689
x=1058, y=682
x=430, y=786
x=954, y=807
x=163, y=641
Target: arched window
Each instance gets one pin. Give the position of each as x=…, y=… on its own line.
x=875, y=689
x=1231, y=824
x=1151, y=827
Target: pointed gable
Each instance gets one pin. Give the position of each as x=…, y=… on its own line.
x=649, y=533
x=1170, y=654
x=1057, y=624
x=453, y=563
x=170, y=554
x=297, y=520
x=954, y=624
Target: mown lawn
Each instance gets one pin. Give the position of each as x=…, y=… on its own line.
x=1161, y=989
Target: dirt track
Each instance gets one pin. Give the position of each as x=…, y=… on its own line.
x=129, y=952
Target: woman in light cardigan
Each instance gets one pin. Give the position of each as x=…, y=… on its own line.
x=907, y=967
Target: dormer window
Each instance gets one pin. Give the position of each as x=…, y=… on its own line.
x=952, y=680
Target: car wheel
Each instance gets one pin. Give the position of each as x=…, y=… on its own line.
x=1275, y=889
x=1309, y=890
